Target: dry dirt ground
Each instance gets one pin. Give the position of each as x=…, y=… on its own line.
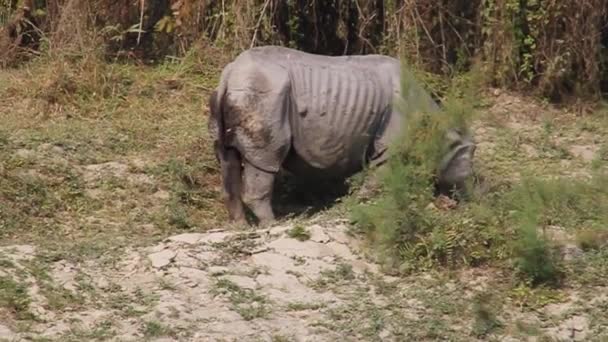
x=264, y=285
x=300, y=280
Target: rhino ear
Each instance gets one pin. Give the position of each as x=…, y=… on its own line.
x=457, y=164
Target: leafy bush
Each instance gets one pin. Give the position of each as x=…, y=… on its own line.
x=573, y=205
x=400, y=222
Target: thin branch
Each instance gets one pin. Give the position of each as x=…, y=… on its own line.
x=428, y=34
x=141, y=20
x=257, y=26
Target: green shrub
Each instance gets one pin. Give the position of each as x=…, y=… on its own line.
x=299, y=233
x=576, y=206
x=507, y=222
x=408, y=233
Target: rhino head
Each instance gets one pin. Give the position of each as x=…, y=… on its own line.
x=456, y=166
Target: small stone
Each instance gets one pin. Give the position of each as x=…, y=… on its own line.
x=57, y=150
x=384, y=334
x=24, y=153
x=445, y=203
x=162, y=258
x=162, y=195
x=431, y=206
x=6, y=333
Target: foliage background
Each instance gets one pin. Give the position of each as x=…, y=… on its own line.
x=556, y=48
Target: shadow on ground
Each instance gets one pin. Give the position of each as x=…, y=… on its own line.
x=304, y=198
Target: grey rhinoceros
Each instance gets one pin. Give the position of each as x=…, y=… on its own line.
x=312, y=115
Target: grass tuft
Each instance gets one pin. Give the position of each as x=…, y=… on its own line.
x=299, y=233
x=15, y=298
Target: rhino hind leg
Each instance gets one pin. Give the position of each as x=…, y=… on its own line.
x=257, y=193
x=230, y=162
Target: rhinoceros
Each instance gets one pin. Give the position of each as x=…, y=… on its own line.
x=277, y=108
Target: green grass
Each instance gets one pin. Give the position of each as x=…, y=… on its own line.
x=14, y=298
x=503, y=225
x=300, y=306
x=77, y=112
x=244, y=301
x=399, y=223
x=156, y=329
x=152, y=121
x=299, y=233
x=485, y=312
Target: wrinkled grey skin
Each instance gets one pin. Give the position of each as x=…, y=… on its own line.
x=314, y=116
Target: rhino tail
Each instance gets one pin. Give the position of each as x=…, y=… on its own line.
x=229, y=157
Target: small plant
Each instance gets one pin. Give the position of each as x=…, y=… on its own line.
x=156, y=329
x=592, y=239
x=484, y=311
x=14, y=298
x=299, y=233
x=299, y=306
x=244, y=301
x=535, y=258
x=342, y=272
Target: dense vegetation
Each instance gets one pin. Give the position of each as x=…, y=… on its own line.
x=103, y=146
x=552, y=47
x=556, y=48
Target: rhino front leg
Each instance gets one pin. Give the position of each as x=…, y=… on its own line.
x=257, y=193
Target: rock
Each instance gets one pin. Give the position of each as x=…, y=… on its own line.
x=241, y=281
x=384, y=334
x=214, y=237
x=317, y=234
x=431, y=206
x=585, y=152
x=217, y=270
x=6, y=333
x=574, y=329
x=530, y=150
x=162, y=258
x=19, y=252
x=188, y=238
x=162, y=195
x=291, y=247
x=24, y=153
x=278, y=230
x=339, y=235
x=341, y=251
x=445, y=203
x=193, y=274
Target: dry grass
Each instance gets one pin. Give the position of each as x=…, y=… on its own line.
x=89, y=148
